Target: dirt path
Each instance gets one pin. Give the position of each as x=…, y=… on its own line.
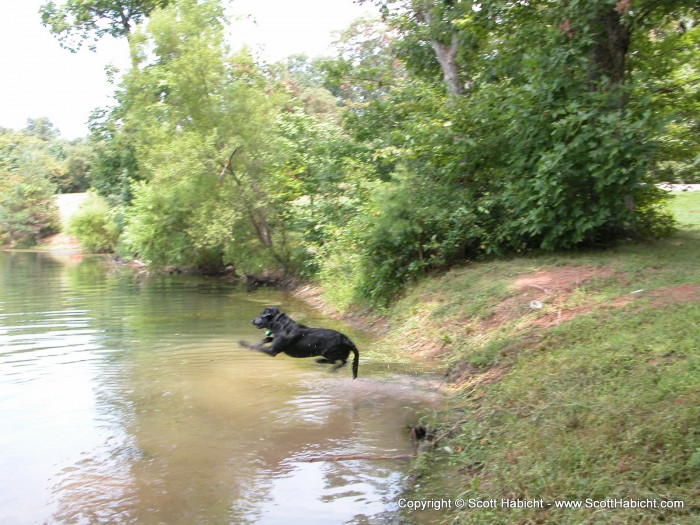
x=68, y=204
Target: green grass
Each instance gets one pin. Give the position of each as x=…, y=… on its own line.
x=603, y=405
x=601, y=408
x=686, y=209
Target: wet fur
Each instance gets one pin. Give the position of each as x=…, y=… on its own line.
x=298, y=340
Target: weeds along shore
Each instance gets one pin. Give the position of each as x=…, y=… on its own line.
x=571, y=376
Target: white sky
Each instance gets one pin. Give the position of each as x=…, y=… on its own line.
x=40, y=79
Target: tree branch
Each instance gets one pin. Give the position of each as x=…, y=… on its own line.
x=227, y=167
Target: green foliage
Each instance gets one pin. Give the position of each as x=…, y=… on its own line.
x=449, y=132
x=579, y=399
x=652, y=213
x=665, y=68
x=410, y=227
x=41, y=128
x=27, y=152
x=157, y=226
x=570, y=173
x=546, y=148
x=72, y=162
x=201, y=125
x=94, y=225
x=39, y=149
x=75, y=21
x=364, y=68
x=114, y=169
x=27, y=208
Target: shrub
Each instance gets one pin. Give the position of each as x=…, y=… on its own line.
x=94, y=225
x=27, y=210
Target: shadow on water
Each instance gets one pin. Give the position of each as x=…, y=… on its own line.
x=127, y=400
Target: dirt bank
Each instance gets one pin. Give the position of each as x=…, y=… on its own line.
x=365, y=321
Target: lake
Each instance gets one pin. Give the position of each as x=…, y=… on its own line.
x=125, y=398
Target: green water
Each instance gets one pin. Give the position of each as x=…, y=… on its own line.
x=125, y=399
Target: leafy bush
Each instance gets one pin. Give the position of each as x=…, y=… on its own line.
x=94, y=225
x=537, y=155
x=654, y=218
x=409, y=227
x=27, y=210
x=416, y=226
x=157, y=224
x=570, y=172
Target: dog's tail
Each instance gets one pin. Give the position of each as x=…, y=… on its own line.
x=356, y=359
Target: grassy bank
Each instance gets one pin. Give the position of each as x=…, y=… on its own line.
x=575, y=376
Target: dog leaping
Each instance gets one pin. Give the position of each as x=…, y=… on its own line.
x=284, y=335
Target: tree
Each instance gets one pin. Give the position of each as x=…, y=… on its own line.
x=41, y=128
x=65, y=163
x=519, y=126
x=114, y=170
x=435, y=31
x=76, y=21
x=27, y=209
x=365, y=67
x=189, y=104
x=78, y=160
x=664, y=68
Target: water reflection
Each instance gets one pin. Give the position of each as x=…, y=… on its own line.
x=125, y=400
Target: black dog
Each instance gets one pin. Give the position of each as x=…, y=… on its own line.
x=297, y=340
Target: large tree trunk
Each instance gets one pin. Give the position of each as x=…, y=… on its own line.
x=608, y=62
x=447, y=57
x=609, y=50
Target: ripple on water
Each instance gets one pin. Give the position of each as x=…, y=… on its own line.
x=127, y=400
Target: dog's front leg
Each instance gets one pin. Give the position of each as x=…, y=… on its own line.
x=257, y=346
x=272, y=350
x=264, y=350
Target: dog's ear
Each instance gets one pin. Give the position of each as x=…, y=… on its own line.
x=270, y=312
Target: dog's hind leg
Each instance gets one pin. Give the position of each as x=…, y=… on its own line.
x=326, y=361
x=332, y=356
x=339, y=366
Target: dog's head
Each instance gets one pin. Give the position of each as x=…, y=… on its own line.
x=266, y=317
